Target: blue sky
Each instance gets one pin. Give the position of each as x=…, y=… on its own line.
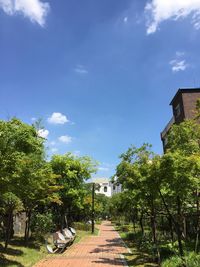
x=100, y=74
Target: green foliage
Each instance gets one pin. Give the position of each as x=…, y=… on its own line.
x=17, y=140
x=72, y=172
x=184, y=137
x=82, y=226
x=42, y=224
x=10, y=202
x=24, y=172
x=163, y=188
x=190, y=260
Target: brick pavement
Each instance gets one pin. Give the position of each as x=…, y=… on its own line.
x=103, y=250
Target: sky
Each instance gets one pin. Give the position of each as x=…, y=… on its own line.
x=100, y=74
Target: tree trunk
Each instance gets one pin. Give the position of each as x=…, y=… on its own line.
x=197, y=227
x=178, y=226
x=133, y=217
x=141, y=223
x=171, y=229
x=8, y=228
x=184, y=227
x=154, y=230
x=27, y=228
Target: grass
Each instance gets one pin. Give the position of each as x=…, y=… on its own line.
x=17, y=255
x=142, y=249
x=139, y=257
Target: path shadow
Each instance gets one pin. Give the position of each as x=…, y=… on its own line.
x=7, y=262
x=115, y=242
x=112, y=262
x=19, y=242
x=10, y=251
x=111, y=230
x=100, y=250
x=140, y=259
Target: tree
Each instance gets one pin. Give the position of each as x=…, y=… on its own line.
x=180, y=168
x=11, y=203
x=23, y=170
x=138, y=174
x=73, y=171
x=35, y=185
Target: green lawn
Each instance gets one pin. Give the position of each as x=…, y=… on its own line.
x=19, y=256
x=139, y=258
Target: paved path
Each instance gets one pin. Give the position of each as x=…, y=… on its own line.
x=103, y=250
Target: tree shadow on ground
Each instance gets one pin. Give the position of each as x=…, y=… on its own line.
x=138, y=259
x=101, y=250
x=7, y=262
x=19, y=242
x=111, y=230
x=112, y=262
x=10, y=251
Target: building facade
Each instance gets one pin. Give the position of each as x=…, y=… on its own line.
x=183, y=107
x=107, y=187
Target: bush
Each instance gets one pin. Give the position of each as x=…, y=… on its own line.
x=99, y=221
x=82, y=226
x=41, y=224
x=190, y=260
x=124, y=228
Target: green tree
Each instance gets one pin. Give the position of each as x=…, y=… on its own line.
x=180, y=168
x=11, y=203
x=23, y=170
x=73, y=171
x=36, y=185
x=137, y=172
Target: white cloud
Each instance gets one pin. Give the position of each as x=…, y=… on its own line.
x=125, y=19
x=43, y=133
x=33, y=119
x=158, y=11
x=35, y=10
x=65, y=139
x=81, y=69
x=57, y=118
x=178, y=63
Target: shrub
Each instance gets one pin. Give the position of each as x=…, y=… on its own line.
x=125, y=228
x=190, y=260
x=82, y=226
x=41, y=224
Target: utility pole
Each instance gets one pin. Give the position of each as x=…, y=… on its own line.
x=93, y=190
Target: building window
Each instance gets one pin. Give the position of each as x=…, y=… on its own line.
x=105, y=189
x=114, y=187
x=177, y=110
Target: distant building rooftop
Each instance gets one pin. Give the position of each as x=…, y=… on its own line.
x=184, y=90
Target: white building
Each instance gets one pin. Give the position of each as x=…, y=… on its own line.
x=107, y=187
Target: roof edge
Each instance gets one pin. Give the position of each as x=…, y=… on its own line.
x=184, y=90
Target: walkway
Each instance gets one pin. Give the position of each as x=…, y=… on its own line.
x=103, y=250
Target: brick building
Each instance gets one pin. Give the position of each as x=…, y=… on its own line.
x=183, y=107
